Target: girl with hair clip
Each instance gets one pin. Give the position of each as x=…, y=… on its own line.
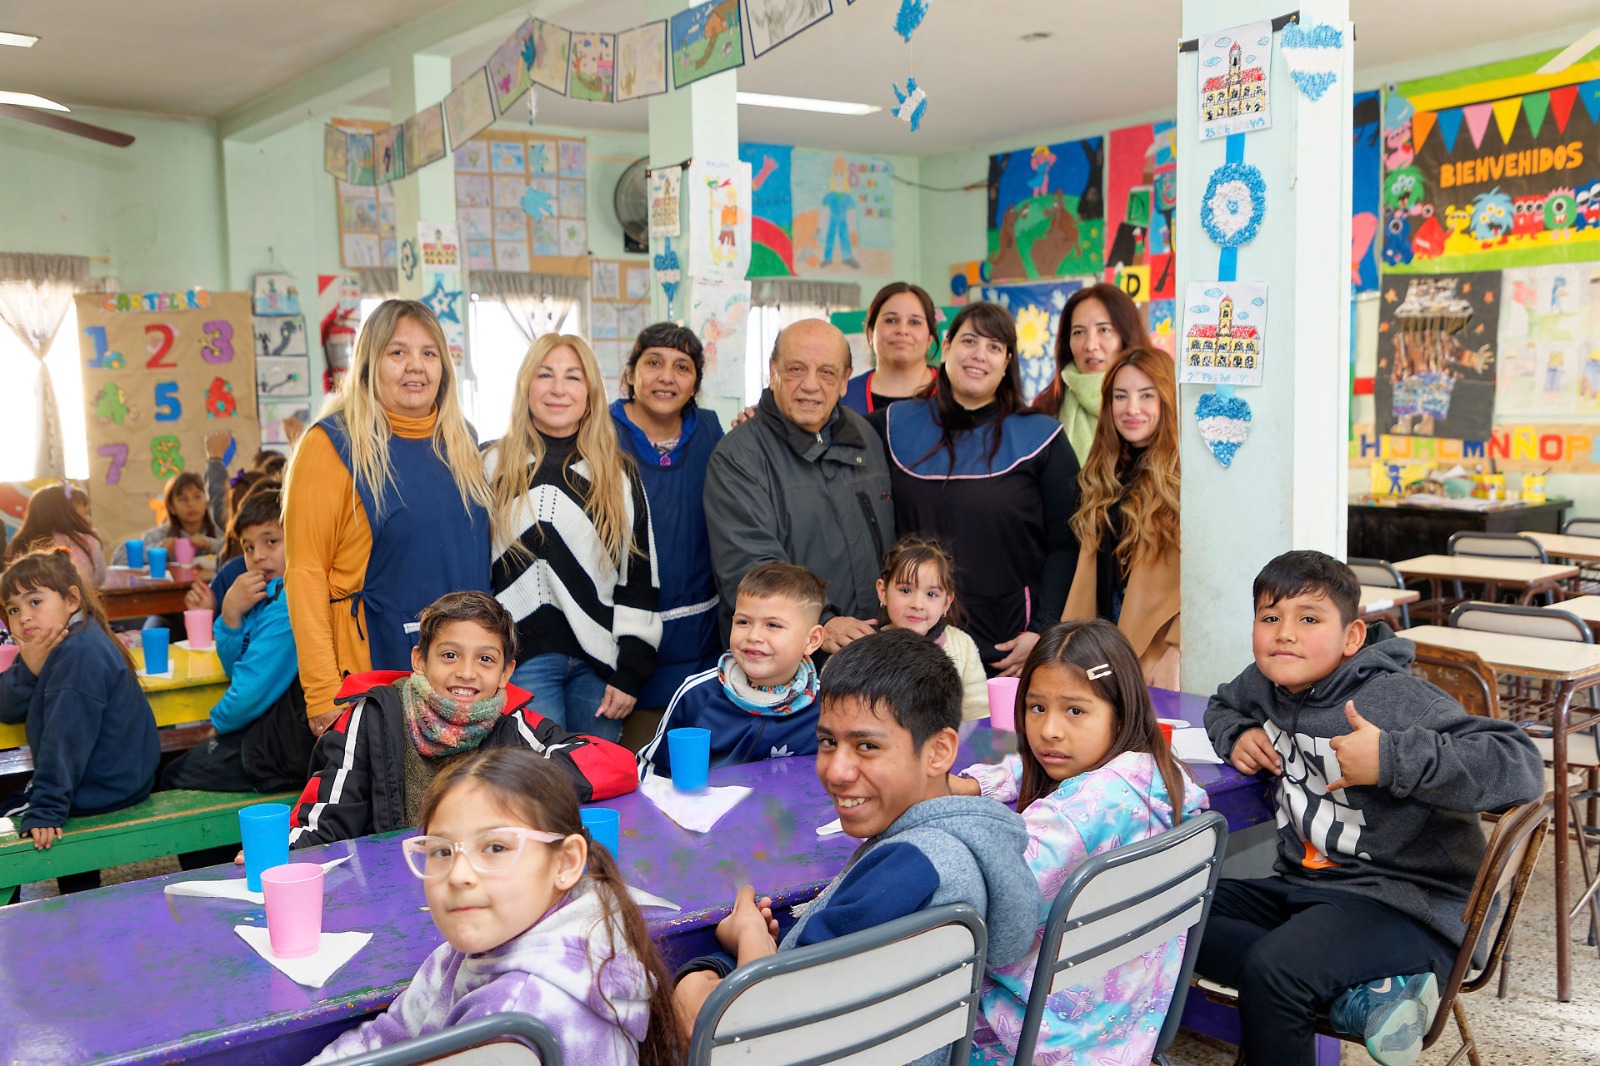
x=1092, y=773
x=188, y=516
x=1098, y=324
x=536, y=918
x=996, y=483
x=917, y=591
x=385, y=506
x=902, y=336
x=574, y=555
x=89, y=726
x=59, y=514
x=1127, y=520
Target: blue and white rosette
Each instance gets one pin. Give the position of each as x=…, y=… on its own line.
x=1234, y=203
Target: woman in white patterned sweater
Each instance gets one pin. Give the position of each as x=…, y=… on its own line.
x=574, y=556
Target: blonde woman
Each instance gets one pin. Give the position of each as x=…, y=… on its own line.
x=385, y=509
x=574, y=556
x=1127, y=520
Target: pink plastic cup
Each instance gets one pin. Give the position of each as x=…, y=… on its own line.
x=1003, y=703
x=294, y=908
x=183, y=551
x=197, y=627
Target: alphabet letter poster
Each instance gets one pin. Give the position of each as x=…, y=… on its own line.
x=160, y=371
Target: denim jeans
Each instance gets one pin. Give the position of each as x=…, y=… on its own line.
x=567, y=691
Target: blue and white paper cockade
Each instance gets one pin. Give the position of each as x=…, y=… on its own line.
x=1224, y=421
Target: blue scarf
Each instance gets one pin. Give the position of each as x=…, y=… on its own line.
x=777, y=701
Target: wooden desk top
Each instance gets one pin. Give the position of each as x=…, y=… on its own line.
x=1376, y=598
x=121, y=580
x=1512, y=573
x=1583, y=549
x=1535, y=657
x=1585, y=607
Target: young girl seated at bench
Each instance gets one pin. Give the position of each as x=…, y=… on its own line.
x=188, y=515
x=1093, y=773
x=528, y=925
x=89, y=726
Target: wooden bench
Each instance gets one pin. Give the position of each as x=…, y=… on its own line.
x=168, y=823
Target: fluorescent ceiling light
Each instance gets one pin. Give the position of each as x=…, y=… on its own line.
x=803, y=103
x=30, y=100
x=1572, y=53
x=19, y=40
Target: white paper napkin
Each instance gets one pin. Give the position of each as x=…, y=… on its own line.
x=697, y=811
x=165, y=675
x=231, y=887
x=209, y=649
x=313, y=971
x=833, y=828
x=1192, y=745
x=647, y=899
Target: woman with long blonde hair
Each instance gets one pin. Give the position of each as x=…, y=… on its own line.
x=1127, y=520
x=385, y=507
x=574, y=556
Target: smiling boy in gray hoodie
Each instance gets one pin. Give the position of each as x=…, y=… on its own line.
x=886, y=740
x=1381, y=778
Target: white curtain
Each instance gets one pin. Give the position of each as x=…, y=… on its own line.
x=537, y=303
x=35, y=292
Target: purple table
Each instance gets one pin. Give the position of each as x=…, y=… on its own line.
x=127, y=974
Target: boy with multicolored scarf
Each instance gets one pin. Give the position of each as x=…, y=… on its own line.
x=372, y=766
x=761, y=700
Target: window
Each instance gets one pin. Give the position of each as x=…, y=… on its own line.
x=19, y=401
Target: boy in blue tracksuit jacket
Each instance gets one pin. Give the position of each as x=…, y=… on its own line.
x=761, y=700
x=262, y=742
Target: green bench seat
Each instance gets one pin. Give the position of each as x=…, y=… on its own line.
x=168, y=823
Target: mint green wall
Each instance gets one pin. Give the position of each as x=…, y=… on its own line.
x=154, y=209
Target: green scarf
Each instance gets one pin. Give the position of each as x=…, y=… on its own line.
x=440, y=725
x=1080, y=409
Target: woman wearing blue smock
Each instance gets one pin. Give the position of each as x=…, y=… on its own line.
x=385, y=508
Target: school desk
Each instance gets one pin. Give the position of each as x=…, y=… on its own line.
x=133, y=594
x=182, y=704
x=126, y=974
x=1570, y=667
x=1522, y=576
x=1585, y=607
x=1377, y=601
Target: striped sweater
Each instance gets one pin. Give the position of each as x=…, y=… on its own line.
x=566, y=595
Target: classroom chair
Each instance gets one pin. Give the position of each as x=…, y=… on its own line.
x=1122, y=903
x=888, y=994
x=1499, y=546
x=1588, y=583
x=508, y=1039
x=1380, y=573
x=1491, y=911
x=1464, y=676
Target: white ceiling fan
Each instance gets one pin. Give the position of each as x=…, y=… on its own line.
x=27, y=107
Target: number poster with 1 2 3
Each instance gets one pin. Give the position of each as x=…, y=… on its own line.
x=160, y=371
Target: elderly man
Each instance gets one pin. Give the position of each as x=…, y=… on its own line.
x=804, y=481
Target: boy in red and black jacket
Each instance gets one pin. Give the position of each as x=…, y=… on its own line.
x=371, y=767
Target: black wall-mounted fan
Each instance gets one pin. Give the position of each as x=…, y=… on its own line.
x=630, y=201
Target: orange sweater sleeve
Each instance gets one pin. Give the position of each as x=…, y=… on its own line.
x=327, y=543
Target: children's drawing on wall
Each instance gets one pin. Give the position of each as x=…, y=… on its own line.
x=664, y=185
x=1037, y=310
x=1437, y=338
x=1224, y=333
x=1141, y=194
x=551, y=45
x=276, y=294
x=279, y=335
x=642, y=61
x=1233, y=80
x=772, y=22
x=1046, y=211
x=593, y=66
x=771, y=209
x=388, y=162
x=719, y=219
x=1549, y=340
x=1365, y=192
x=468, y=110
x=424, y=138
x=510, y=66
x=843, y=218
x=719, y=311
x=1160, y=320
x=706, y=39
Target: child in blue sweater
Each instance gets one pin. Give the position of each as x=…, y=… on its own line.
x=761, y=700
x=262, y=743
x=89, y=726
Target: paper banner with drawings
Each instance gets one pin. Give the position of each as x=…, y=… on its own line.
x=551, y=46
x=771, y=209
x=642, y=61
x=719, y=219
x=440, y=245
x=424, y=138
x=665, y=184
x=782, y=20
x=843, y=218
x=1037, y=311
x=1569, y=447
x=1141, y=189
x=1436, y=354
x=706, y=39
x=468, y=110
x=388, y=151
x=1234, y=70
x=335, y=151
x=154, y=383
x=1224, y=333
x=1549, y=341
x=719, y=313
x=593, y=74
x=1046, y=211
x=509, y=67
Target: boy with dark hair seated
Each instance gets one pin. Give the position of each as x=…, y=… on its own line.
x=761, y=700
x=1381, y=778
x=886, y=740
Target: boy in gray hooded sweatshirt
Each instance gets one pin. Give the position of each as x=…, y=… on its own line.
x=1381, y=777
x=886, y=740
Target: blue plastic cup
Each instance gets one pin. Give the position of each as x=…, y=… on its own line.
x=158, y=563
x=135, y=549
x=264, y=831
x=154, y=642
x=604, y=826
x=690, y=749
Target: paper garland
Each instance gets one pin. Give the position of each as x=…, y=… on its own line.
x=1234, y=203
x=1314, y=54
x=913, y=103
x=1224, y=420
x=668, y=274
